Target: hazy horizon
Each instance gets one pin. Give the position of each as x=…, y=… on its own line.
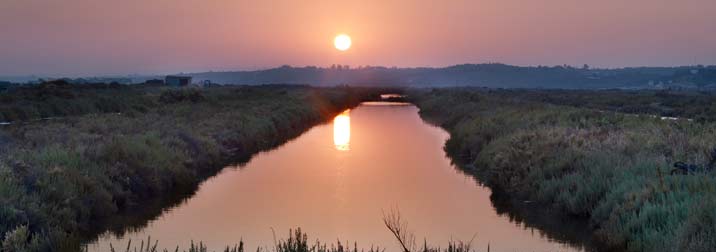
x=100, y=38
x=43, y=75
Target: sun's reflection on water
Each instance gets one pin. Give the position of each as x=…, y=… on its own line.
x=342, y=131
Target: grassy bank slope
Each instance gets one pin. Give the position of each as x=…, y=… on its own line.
x=64, y=179
x=611, y=168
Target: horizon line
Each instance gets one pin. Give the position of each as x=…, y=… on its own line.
x=351, y=67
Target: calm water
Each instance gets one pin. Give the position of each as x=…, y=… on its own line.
x=334, y=182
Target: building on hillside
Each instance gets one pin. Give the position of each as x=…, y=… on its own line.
x=177, y=81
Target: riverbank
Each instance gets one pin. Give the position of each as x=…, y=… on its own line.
x=62, y=181
x=610, y=168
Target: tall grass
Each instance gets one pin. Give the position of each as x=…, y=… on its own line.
x=62, y=181
x=696, y=105
x=611, y=168
x=59, y=98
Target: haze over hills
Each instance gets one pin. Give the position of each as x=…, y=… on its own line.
x=485, y=75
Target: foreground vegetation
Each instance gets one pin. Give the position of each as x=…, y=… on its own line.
x=297, y=241
x=611, y=168
x=63, y=180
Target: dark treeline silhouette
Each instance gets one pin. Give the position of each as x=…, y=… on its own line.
x=494, y=75
x=487, y=75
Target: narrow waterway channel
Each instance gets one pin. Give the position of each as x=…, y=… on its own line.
x=335, y=181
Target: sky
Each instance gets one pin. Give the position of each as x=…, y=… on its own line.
x=107, y=37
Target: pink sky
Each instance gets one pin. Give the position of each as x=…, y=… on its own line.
x=97, y=37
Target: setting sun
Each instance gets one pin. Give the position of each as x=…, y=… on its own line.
x=342, y=42
x=542, y=125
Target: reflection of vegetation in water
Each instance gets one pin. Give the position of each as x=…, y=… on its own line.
x=64, y=179
x=540, y=218
x=607, y=167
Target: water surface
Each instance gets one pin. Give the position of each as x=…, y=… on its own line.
x=334, y=182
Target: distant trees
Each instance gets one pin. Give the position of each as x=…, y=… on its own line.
x=489, y=75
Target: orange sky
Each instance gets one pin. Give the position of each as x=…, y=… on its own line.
x=88, y=37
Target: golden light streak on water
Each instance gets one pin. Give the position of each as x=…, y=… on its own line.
x=342, y=131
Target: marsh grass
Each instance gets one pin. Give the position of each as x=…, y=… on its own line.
x=58, y=99
x=611, y=168
x=62, y=181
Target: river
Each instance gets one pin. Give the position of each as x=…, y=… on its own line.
x=336, y=181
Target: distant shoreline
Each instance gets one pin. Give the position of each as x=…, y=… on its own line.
x=492, y=75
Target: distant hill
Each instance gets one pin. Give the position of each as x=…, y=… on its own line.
x=492, y=75
x=487, y=75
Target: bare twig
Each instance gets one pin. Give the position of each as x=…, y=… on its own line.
x=399, y=228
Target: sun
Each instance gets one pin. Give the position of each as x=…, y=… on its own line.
x=342, y=42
